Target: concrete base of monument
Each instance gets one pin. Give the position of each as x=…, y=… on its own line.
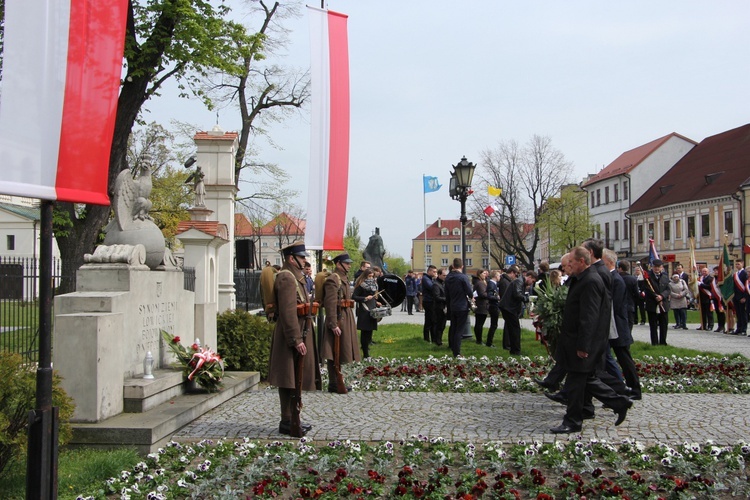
x=160, y=407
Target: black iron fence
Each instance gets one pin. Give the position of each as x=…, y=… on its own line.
x=247, y=289
x=19, y=303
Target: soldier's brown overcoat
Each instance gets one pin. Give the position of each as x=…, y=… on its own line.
x=289, y=290
x=336, y=288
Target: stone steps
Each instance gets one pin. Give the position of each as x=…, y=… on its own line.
x=162, y=406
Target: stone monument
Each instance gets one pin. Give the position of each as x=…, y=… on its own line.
x=375, y=250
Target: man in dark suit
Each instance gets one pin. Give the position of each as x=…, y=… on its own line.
x=620, y=313
x=428, y=299
x=458, y=292
x=511, y=307
x=583, y=342
x=657, y=302
x=705, y=283
x=632, y=292
x=741, y=297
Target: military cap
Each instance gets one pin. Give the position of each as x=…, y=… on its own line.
x=657, y=262
x=296, y=248
x=344, y=257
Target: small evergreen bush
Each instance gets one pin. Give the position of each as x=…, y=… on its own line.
x=17, y=398
x=244, y=341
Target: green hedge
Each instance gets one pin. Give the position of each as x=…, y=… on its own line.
x=244, y=341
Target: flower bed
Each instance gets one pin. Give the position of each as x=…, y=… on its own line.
x=698, y=374
x=436, y=469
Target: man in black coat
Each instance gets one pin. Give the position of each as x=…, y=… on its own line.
x=583, y=342
x=458, y=292
x=621, y=345
x=705, y=283
x=438, y=294
x=511, y=307
x=428, y=300
x=632, y=292
x=657, y=302
x=502, y=286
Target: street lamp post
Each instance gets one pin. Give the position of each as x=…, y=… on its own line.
x=459, y=189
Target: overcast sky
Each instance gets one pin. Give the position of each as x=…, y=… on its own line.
x=433, y=80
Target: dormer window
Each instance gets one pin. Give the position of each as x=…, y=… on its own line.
x=444, y=231
x=456, y=232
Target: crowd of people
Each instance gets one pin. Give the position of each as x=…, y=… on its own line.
x=592, y=353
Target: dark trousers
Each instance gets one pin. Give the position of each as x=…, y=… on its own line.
x=629, y=371
x=438, y=326
x=658, y=324
x=740, y=308
x=429, y=321
x=494, y=315
x=707, y=317
x=365, y=339
x=479, y=320
x=721, y=318
x=285, y=401
x=456, y=330
x=410, y=303
x=512, y=329
x=640, y=308
x=580, y=386
x=680, y=317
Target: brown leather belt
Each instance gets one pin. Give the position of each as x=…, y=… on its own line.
x=305, y=308
x=346, y=303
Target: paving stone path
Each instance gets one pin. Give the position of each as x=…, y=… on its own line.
x=374, y=416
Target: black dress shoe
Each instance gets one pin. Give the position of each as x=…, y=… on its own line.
x=546, y=385
x=557, y=397
x=285, y=427
x=622, y=413
x=334, y=390
x=564, y=429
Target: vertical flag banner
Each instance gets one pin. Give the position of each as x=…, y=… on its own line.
x=61, y=78
x=693, y=271
x=431, y=184
x=652, y=253
x=726, y=275
x=493, y=191
x=329, y=142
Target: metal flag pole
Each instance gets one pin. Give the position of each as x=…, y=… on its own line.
x=41, y=464
x=424, y=224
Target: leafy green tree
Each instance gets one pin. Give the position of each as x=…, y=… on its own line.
x=353, y=241
x=565, y=220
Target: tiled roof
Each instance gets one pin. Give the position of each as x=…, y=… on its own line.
x=210, y=227
x=433, y=230
x=627, y=161
x=212, y=136
x=242, y=227
x=291, y=225
x=716, y=167
x=31, y=213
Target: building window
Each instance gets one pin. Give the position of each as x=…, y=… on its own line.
x=468, y=248
x=678, y=229
x=443, y=248
x=617, y=230
x=444, y=262
x=427, y=262
x=606, y=194
x=468, y=262
x=625, y=226
x=468, y=230
x=598, y=197
x=278, y=261
x=276, y=244
x=428, y=248
x=485, y=262
x=728, y=223
x=10, y=242
x=617, y=192
x=639, y=229
x=264, y=244
x=444, y=231
x=606, y=233
x=456, y=232
x=705, y=225
x=624, y=190
x=691, y=226
x=456, y=248
x=667, y=232
x=592, y=199
x=651, y=230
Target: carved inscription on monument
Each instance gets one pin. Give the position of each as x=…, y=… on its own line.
x=152, y=318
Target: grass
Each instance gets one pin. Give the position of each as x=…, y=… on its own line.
x=86, y=469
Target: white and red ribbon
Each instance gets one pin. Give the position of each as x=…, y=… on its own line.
x=61, y=78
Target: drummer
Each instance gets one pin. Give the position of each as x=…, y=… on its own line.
x=365, y=290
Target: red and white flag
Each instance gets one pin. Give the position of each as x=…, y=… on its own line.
x=61, y=78
x=490, y=210
x=329, y=142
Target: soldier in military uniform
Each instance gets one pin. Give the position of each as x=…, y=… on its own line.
x=339, y=318
x=289, y=290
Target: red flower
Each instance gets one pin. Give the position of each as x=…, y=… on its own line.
x=175, y=340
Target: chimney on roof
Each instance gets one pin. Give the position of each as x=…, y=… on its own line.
x=439, y=222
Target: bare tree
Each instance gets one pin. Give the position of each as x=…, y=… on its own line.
x=528, y=175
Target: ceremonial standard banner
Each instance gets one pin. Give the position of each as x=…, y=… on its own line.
x=61, y=77
x=329, y=142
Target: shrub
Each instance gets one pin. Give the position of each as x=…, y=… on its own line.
x=17, y=398
x=244, y=341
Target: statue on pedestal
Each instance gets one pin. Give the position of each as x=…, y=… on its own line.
x=375, y=250
x=199, y=188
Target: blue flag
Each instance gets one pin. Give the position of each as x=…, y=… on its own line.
x=431, y=184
